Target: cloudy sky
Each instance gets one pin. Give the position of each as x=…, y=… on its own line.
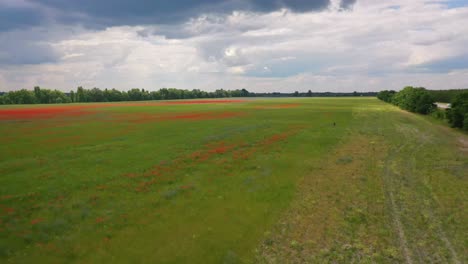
x=260, y=45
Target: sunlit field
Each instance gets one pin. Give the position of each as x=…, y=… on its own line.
x=296, y=180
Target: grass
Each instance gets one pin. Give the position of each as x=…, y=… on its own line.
x=269, y=180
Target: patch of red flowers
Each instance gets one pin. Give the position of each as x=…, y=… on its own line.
x=8, y=210
x=41, y=112
x=44, y=112
x=36, y=221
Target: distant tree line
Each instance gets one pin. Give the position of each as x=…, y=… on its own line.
x=37, y=96
x=422, y=101
x=81, y=95
x=314, y=94
x=446, y=96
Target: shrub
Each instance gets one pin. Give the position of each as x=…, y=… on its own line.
x=386, y=95
x=438, y=114
x=457, y=114
x=417, y=100
x=465, y=122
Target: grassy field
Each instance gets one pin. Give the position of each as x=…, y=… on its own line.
x=244, y=181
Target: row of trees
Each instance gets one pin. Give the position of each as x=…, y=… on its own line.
x=420, y=100
x=314, y=94
x=37, y=96
x=113, y=95
x=417, y=100
x=46, y=96
x=446, y=96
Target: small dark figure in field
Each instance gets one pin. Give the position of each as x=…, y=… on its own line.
x=334, y=124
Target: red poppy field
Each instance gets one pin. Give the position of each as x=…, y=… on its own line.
x=228, y=181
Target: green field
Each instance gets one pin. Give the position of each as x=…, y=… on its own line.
x=342, y=180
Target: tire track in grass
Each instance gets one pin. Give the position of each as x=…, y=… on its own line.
x=441, y=234
x=388, y=187
x=335, y=217
x=421, y=201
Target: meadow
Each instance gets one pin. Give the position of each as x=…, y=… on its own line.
x=292, y=180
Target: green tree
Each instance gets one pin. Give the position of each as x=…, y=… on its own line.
x=244, y=93
x=386, y=95
x=95, y=95
x=135, y=95
x=457, y=114
x=80, y=94
x=38, y=94
x=465, y=122
x=417, y=100
x=22, y=96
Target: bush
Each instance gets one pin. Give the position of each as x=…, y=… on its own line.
x=457, y=114
x=386, y=96
x=438, y=114
x=417, y=100
x=446, y=96
x=465, y=123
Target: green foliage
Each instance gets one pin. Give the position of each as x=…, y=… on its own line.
x=81, y=95
x=22, y=96
x=465, y=122
x=417, y=100
x=45, y=96
x=446, y=96
x=457, y=114
x=438, y=114
x=386, y=95
x=37, y=96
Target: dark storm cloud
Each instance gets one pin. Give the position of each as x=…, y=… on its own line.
x=167, y=11
x=104, y=13
x=28, y=47
x=14, y=18
x=20, y=21
x=26, y=53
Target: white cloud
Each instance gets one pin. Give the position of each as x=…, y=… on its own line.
x=378, y=45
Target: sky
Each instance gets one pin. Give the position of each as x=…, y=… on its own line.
x=259, y=45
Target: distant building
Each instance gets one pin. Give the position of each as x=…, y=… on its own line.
x=442, y=105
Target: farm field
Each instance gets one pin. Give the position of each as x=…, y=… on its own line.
x=294, y=180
